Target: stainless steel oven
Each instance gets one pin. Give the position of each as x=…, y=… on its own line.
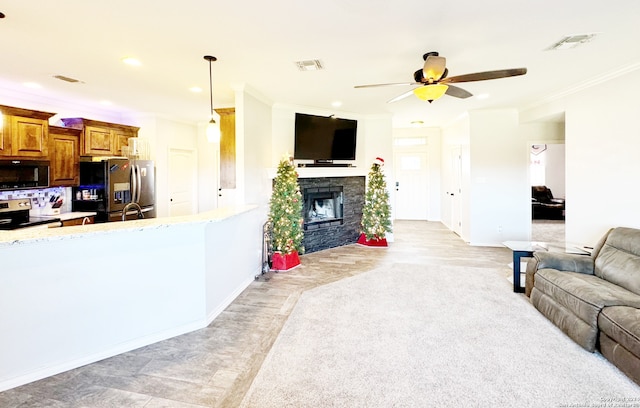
x=14, y=215
x=20, y=174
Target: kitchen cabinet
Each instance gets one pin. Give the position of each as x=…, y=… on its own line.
x=227, y=147
x=101, y=138
x=64, y=147
x=24, y=133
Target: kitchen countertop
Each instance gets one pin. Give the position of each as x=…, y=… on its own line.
x=18, y=237
x=71, y=215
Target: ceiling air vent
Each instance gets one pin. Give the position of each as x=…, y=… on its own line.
x=571, y=41
x=309, y=65
x=66, y=79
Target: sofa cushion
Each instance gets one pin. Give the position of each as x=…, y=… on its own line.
x=619, y=259
x=585, y=295
x=622, y=324
x=622, y=358
x=582, y=333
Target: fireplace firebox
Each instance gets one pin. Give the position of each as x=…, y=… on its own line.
x=323, y=207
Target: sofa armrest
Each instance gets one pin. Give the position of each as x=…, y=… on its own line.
x=564, y=262
x=559, y=261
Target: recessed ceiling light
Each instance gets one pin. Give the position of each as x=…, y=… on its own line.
x=195, y=89
x=131, y=61
x=572, y=41
x=309, y=65
x=336, y=104
x=32, y=85
x=482, y=96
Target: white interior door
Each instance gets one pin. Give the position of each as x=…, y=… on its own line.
x=456, y=189
x=225, y=196
x=412, y=187
x=182, y=182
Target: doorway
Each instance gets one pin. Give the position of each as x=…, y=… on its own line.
x=182, y=182
x=456, y=190
x=411, y=172
x=547, y=169
x=412, y=190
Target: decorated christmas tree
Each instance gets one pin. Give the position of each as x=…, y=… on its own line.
x=285, y=213
x=376, y=213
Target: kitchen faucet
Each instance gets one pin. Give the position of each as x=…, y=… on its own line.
x=137, y=208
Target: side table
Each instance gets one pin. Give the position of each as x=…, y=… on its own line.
x=525, y=249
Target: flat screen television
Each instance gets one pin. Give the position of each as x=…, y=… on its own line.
x=324, y=139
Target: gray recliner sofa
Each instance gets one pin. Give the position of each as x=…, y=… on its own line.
x=595, y=299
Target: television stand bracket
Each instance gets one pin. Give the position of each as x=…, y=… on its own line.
x=320, y=163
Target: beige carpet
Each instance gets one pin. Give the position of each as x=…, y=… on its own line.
x=548, y=230
x=428, y=336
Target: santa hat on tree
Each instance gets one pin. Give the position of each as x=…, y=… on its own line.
x=379, y=161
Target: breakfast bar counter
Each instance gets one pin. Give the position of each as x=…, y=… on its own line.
x=74, y=295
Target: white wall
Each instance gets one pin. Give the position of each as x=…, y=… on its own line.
x=255, y=123
x=500, y=193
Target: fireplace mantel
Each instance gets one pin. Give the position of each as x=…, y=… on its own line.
x=319, y=172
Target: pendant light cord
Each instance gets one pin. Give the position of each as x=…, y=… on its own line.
x=211, y=88
x=210, y=59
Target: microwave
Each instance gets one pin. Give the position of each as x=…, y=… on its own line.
x=21, y=174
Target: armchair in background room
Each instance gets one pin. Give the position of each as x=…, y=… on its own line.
x=544, y=206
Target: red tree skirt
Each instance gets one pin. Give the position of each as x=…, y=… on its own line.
x=280, y=262
x=374, y=242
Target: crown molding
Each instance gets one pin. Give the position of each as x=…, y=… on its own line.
x=584, y=85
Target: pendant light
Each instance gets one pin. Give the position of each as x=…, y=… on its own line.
x=213, y=131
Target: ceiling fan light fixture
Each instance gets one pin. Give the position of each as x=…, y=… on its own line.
x=430, y=92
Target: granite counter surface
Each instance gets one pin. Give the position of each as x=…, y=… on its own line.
x=19, y=237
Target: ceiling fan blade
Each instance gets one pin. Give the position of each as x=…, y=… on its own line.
x=433, y=69
x=482, y=76
x=458, y=92
x=401, y=96
x=391, y=84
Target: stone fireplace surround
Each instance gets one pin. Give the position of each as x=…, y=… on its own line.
x=319, y=236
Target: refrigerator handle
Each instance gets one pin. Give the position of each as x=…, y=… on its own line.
x=139, y=183
x=134, y=184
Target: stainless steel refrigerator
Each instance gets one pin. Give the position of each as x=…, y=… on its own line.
x=112, y=186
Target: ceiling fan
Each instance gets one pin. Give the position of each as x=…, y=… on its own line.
x=434, y=82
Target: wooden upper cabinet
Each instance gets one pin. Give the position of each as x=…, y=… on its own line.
x=64, y=147
x=24, y=133
x=97, y=141
x=227, y=147
x=121, y=138
x=101, y=138
x=5, y=132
